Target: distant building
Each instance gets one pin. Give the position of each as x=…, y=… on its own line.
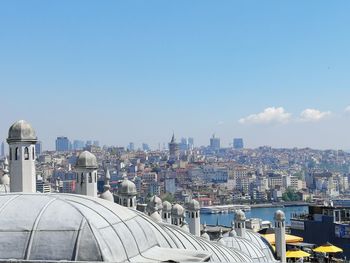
x=78, y=145
x=174, y=149
x=145, y=147
x=62, y=144
x=190, y=142
x=131, y=147
x=183, y=146
x=96, y=143
x=170, y=186
x=214, y=143
x=238, y=143
x=38, y=148
x=2, y=152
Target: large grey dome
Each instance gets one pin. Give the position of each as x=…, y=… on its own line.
x=21, y=131
x=87, y=160
x=81, y=228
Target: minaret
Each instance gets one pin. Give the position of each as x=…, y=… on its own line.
x=240, y=223
x=166, y=212
x=232, y=232
x=107, y=195
x=154, y=205
x=22, y=140
x=280, y=235
x=194, y=217
x=86, y=172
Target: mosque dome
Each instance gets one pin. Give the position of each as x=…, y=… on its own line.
x=166, y=206
x=107, y=195
x=240, y=215
x=177, y=211
x=127, y=187
x=279, y=215
x=21, y=131
x=87, y=160
x=193, y=205
x=68, y=227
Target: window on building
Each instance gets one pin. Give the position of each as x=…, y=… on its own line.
x=10, y=154
x=125, y=202
x=95, y=177
x=90, y=178
x=33, y=153
x=82, y=178
x=26, y=153
x=16, y=154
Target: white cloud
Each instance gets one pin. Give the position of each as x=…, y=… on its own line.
x=347, y=109
x=269, y=115
x=313, y=115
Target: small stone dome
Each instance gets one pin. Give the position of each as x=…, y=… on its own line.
x=21, y=131
x=177, y=211
x=156, y=216
x=166, y=206
x=193, y=205
x=87, y=160
x=279, y=215
x=240, y=215
x=154, y=204
x=107, y=195
x=127, y=187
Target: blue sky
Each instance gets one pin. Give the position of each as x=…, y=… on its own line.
x=122, y=71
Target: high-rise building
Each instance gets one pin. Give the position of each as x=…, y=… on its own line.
x=238, y=143
x=38, y=148
x=131, y=147
x=183, y=144
x=145, y=147
x=190, y=142
x=2, y=152
x=78, y=145
x=96, y=143
x=62, y=144
x=214, y=143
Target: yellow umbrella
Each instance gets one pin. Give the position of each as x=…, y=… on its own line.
x=289, y=238
x=296, y=253
x=328, y=248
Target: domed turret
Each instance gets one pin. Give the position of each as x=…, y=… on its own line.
x=193, y=205
x=240, y=223
x=87, y=160
x=279, y=215
x=166, y=214
x=127, y=187
x=154, y=204
x=21, y=131
x=177, y=214
x=21, y=140
x=240, y=215
x=86, y=173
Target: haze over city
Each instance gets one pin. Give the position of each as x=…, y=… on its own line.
x=121, y=72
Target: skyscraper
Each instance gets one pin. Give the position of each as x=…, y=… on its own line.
x=38, y=148
x=145, y=147
x=214, y=143
x=238, y=143
x=78, y=145
x=190, y=143
x=62, y=144
x=183, y=144
x=131, y=147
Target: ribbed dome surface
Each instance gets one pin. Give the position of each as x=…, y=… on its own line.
x=21, y=131
x=87, y=160
x=80, y=228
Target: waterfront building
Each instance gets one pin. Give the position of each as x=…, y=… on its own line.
x=62, y=144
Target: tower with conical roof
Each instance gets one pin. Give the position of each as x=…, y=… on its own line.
x=22, y=140
x=86, y=174
x=107, y=195
x=174, y=152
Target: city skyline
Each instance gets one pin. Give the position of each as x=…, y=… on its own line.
x=249, y=70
